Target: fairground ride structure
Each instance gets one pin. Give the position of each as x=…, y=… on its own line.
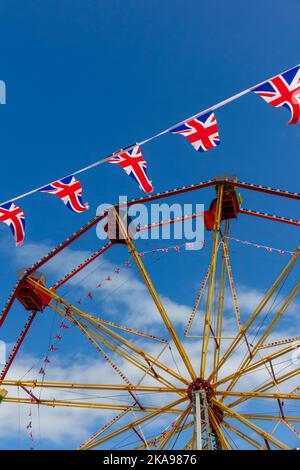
x=209, y=409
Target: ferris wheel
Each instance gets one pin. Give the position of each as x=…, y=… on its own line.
x=207, y=400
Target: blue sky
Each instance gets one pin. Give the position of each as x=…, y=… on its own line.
x=87, y=78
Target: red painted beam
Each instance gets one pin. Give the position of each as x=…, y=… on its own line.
x=82, y=265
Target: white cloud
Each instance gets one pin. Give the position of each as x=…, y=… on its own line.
x=128, y=302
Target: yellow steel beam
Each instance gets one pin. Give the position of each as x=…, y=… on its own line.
x=121, y=352
x=114, y=348
x=133, y=331
x=146, y=356
x=243, y=436
x=140, y=265
x=101, y=351
x=150, y=442
x=116, y=418
x=104, y=428
x=104, y=328
x=291, y=427
x=147, y=368
x=252, y=426
x=83, y=329
x=133, y=360
x=108, y=359
x=3, y=393
x=232, y=286
x=190, y=443
x=136, y=422
x=277, y=317
x=278, y=343
x=197, y=303
x=91, y=405
x=262, y=417
x=271, y=383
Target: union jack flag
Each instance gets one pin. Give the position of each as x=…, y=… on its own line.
x=283, y=90
x=14, y=217
x=202, y=132
x=69, y=190
x=132, y=161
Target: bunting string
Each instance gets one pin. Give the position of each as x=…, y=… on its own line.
x=201, y=130
x=117, y=270
x=42, y=371
x=176, y=249
x=270, y=249
x=167, y=250
x=291, y=427
x=29, y=429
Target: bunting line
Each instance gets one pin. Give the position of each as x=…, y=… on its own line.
x=53, y=345
x=270, y=249
x=29, y=429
